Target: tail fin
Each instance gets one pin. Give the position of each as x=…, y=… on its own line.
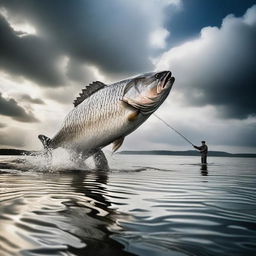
x=45, y=140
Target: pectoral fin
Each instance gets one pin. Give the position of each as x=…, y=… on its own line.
x=135, y=112
x=117, y=144
x=133, y=115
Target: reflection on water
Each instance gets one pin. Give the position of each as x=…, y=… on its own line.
x=54, y=214
x=204, y=169
x=172, y=207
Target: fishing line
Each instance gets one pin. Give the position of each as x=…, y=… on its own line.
x=173, y=129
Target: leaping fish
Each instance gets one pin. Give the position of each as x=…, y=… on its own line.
x=105, y=114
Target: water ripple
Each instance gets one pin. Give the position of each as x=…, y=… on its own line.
x=173, y=210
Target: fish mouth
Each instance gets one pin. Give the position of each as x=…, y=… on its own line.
x=166, y=81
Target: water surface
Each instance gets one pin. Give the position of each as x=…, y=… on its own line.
x=145, y=205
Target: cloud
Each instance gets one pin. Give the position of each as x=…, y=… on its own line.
x=186, y=21
x=50, y=50
x=29, y=56
x=2, y=125
x=11, y=138
x=115, y=36
x=27, y=98
x=9, y=107
x=218, y=68
x=80, y=72
x=158, y=38
x=64, y=95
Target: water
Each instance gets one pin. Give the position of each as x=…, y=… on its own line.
x=146, y=205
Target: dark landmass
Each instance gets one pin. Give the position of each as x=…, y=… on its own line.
x=185, y=153
x=12, y=152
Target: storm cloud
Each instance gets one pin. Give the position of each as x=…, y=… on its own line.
x=29, y=56
x=218, y=68
x=49, y=50
x=115, y=36
x=28, y=98
x=192, y=16
x=10, y=108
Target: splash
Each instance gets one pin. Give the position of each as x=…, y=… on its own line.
x=41, y=161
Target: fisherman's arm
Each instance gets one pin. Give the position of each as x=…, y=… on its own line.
x=199, y=148
x=204, y=149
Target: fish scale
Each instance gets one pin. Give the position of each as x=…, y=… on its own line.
x=98, y=115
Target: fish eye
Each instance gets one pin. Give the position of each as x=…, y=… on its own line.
x=158, y=75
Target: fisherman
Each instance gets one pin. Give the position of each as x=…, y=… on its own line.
x=203, y=150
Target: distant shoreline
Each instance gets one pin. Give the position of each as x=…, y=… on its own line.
x=14, y=152
x=10, y=151
x=185, y=153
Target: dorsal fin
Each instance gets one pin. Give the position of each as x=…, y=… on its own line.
x=88, y=91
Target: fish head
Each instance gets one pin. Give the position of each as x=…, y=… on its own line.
x=148, y=91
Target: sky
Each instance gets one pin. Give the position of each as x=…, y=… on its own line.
x=49, y=50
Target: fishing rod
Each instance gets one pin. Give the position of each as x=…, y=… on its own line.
x=173, y=129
